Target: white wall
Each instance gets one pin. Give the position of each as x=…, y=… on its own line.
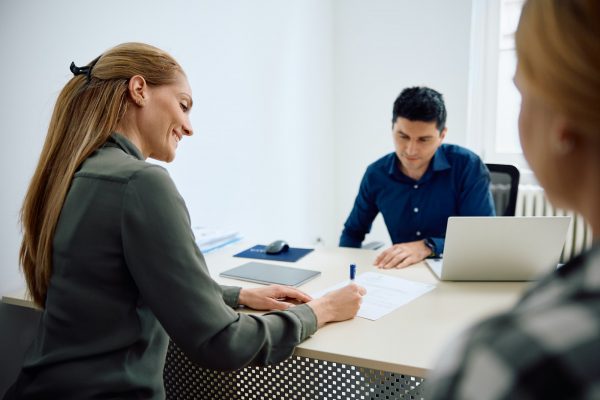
x=291, y=99
x=382, y=47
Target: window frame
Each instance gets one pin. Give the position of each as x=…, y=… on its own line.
x=484, y=86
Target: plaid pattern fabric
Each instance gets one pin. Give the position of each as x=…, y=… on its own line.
x=546, y=347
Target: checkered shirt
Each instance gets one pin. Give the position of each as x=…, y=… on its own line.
x=546, y=347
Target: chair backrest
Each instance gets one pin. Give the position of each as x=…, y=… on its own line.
x=504, y=186
x=19, y=327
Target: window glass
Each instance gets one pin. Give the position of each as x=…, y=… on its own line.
x=508, y=99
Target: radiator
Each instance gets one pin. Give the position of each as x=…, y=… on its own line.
x=531, y=201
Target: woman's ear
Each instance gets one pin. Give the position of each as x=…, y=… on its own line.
x=138, y=90
x=564, y=137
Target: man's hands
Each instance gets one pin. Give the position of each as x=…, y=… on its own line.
x=402, y=255
x=273, y=297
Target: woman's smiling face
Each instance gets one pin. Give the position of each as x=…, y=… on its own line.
x=165, y=119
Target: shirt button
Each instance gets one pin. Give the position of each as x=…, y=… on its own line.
x=416, y=186
x=418, y=233
x=416, y=209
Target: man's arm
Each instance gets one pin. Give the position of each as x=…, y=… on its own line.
x=361, y=217
x=475, y=196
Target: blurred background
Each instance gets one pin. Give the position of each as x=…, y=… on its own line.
x=292, y=99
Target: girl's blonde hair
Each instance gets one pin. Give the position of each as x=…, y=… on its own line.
x=86, y=112
x=558, y=51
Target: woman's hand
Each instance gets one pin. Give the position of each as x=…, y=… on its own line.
x=338, y=305
x=273, y=297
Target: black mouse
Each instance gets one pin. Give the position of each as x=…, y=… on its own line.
x=277, y=247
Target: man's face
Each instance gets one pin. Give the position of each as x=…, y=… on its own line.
x=416, y=142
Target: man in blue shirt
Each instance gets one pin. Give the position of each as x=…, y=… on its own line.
x=420, y=185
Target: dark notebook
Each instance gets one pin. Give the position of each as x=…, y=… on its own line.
x=269, y=274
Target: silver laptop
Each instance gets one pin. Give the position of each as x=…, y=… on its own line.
x=500, y=248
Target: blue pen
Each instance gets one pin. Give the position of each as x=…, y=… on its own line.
x=352, y=272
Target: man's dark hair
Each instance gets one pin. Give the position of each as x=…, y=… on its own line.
x=420, y=104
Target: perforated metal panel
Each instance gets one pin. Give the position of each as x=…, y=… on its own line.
x=296, y=378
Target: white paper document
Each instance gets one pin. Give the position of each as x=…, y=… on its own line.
x=384, y=293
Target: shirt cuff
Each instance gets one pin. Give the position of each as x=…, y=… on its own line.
x=231, y=295
x=438, y=246
x=307, y=317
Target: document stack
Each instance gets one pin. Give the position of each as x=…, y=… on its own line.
x=210, y=239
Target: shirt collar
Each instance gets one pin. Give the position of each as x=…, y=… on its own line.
x=438, y=162
x=120, y=141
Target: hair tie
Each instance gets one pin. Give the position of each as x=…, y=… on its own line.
x=87, y=70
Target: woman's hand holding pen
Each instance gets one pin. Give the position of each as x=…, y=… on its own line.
x=338, y=305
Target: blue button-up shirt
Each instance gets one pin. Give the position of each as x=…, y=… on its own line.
x=455, y=183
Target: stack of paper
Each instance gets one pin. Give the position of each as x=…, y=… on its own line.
x=209, y=239
x=384, y=293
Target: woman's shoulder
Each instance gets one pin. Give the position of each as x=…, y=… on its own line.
x=113, y=164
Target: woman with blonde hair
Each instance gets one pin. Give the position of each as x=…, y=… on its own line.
x=548, y=345
x=109, y=255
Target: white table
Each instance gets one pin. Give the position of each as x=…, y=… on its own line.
x=406, y=341
x=392, y=351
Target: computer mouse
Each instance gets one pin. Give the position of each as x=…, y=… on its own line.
x=277, y=247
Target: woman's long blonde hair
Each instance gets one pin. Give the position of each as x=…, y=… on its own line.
x=85, y=114
x=558, y=51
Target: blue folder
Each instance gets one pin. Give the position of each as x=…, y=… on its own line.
x=258, y=252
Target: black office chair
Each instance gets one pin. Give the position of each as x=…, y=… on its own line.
x=504, y=185
x=19, y=327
